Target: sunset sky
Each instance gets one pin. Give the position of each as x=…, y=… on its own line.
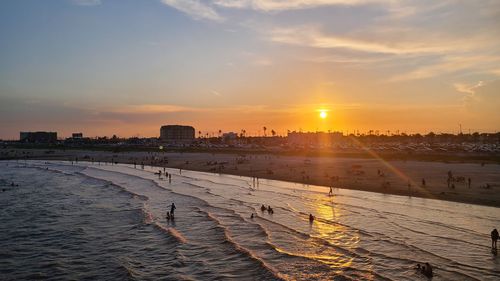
x=126, y=67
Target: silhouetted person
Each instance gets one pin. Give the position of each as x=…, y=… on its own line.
x=427, y=270
x=423, y=182
x=270, y=210
x=494, y=238
x=311, y=218
x=251, y=216
x=168, y=215
x=469, y=182
x=331, y=191
x=172, y=209
x=262, y=208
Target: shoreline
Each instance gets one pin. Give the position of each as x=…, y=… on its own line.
x=373, y=175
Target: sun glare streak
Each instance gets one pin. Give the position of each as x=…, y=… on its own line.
x=396, y=171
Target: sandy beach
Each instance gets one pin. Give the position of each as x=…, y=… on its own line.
x=376, y=175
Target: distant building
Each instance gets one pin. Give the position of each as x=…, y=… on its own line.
x=177, y=134
x=38, y=137
x=318, y=139
x=77, y=135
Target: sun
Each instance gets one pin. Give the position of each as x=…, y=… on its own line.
x=323, y=114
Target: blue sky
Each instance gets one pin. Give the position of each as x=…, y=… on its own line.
x=126, y=67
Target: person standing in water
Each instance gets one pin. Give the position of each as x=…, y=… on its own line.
x=311, y=218
x=331, y=191
x=426, y=270
x=494, y=238
x=172, y=209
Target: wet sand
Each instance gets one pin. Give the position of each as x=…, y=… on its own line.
x=376, y=175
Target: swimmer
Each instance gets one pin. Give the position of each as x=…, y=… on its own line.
x=251, y=216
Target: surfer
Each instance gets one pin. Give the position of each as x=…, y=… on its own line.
x=168, y=215
x=262, y=208
x=270, y=210
x=172, y=209
x=494, y=238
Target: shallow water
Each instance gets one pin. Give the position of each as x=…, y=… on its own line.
x=96, y=222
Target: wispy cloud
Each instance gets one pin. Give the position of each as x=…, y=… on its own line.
x=451, y=64
x=215, y=93
x=87, y=2
x=151, y=108
x=281, y=5
x=194, y=8
x=262, y=62
x=468, y=88
x=346, y=60
x=311, y=36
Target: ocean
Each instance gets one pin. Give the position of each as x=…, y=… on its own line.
x=84, y=221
